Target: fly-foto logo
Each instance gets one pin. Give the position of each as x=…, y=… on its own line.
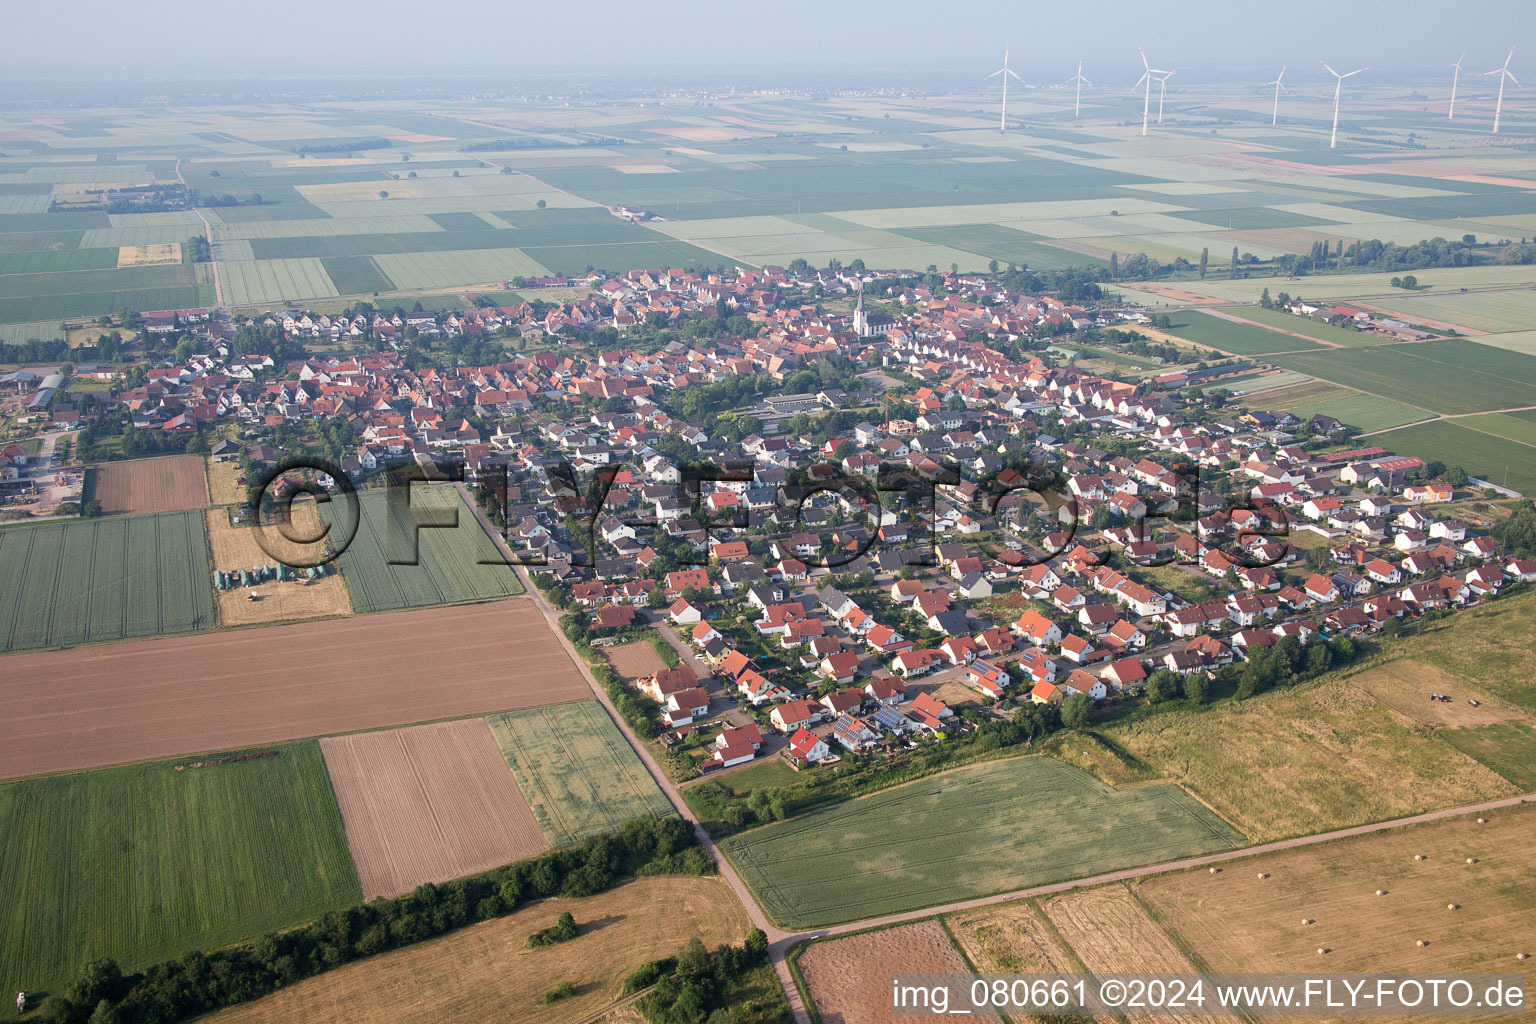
x=897, y=505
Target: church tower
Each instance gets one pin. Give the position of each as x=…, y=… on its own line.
x=860, y=321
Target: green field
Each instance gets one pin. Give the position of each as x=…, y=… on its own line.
x=142, y=863
x=448, y=568
x=104, y=579
x=1367, y=412
x=1446, y=376
x=1312, y=328
x=1241, y=339
x=1499, y=311
x=1512, y=426
x=1004, y=244
x=989, y=828
x=1495, y=459
x=576, y=770
x=250, y=282
x=54, y=261
x=356, y=275
x=1249, y=217
x=1509, y=748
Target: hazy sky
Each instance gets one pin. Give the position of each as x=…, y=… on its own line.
x=167, y=39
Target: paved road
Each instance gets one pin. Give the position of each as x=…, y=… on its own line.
x=782, y=941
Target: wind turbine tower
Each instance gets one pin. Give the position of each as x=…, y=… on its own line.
x=1274, y=115
x=1006, y=72
x=1505, y=75
x=1455, y=77
x=1162, y=88
x=1146, y=99
x=1079, y=81
x=1338, y=85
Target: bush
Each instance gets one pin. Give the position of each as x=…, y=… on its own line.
x=564, y=990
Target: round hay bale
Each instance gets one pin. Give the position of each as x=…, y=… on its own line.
x=1522, y=956
x=1381, y=892
x=1471, y=860
x=1453, y=906
x=1215, y=870
x=1306, y=920
x=1422, y=943
x=1482, y=821
x=1418, y=856
x=1321, y=951
x=1263, y=874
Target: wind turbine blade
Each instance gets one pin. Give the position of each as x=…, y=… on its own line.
x=1357, y=71
x=1512, y=77
x=1143, y=58
x=1144, y=75
x=995, y=73
x=1281, y=74
x=1015, y=75
x=1085, y=81
x=1510, y=57
x=1332, y=72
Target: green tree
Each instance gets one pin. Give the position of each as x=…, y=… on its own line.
x=1077, y=711
x=1197, y=687
x=1205, y=258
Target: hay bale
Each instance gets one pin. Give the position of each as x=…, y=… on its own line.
x=1306, y=920
x=1522, y=956
x=1381, y=892
x=1418, y=856
x=1321, y=951
x=1263, y=874
x=1471, y=860
x=1422, y=943
x=1482, y=821
x=1453, y=906
x=1215, y=870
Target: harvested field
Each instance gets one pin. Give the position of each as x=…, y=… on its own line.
x=578, y=772
x=223, y=488
x=849, y=979
x=634, y=661
x=1112, y=934
x=65, y=710
x=235, y=547
x=1013, y=938
x=428, y=804
x=148, y=255
x=166, y=484
x=1235, y=921
x=485, y=972
x=1405, y=686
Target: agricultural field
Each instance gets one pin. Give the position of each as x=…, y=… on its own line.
x=1485, y=456
x=576, y=770
x=844, y=988
x=143, y=863
x=955, y=835
x=486, y=971
x=1365, y=412
x=1236, y=921
x=236, y=547
x=428, y=804
x=1269, y=764
x=1012, y=937
x=634, y=661
x=256, y=282
x=452, y=564
x=1456, y=376
x=166, y=484
x=1512, y=426
x=104, y=579
x=235, y=688
x=1241, y=339
x=149, y=255
x=223, y=488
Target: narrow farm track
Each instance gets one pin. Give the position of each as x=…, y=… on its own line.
x=213, y=263
x=781, y=942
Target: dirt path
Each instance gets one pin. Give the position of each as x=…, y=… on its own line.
x=213, y=264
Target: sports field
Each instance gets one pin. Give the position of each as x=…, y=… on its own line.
x=975, y=831
x=145, y=862
x=104, y=579
x=453, y=564
x=576, y=770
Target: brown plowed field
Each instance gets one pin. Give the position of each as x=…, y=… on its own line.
x=110, y=703
x=152, y=485
x=635, y=661
x=428, y=804
x=850, y=979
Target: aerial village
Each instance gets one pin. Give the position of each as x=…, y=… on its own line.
x=1056, y=536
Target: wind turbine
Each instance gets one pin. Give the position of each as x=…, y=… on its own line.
x=1079, y=81
x=1504, y=75
x=1146, y=100
x=1162, y=87
x=1005, y=71
x=1338, y=85
x=1451, y=115
x=1274, y=115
